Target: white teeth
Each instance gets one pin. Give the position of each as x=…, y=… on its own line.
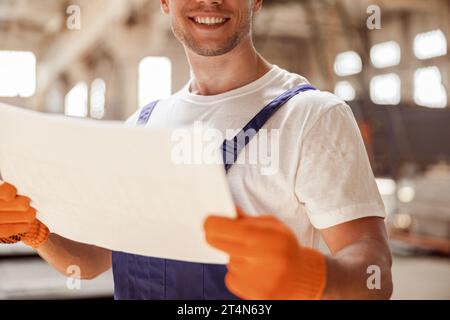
x=209, y=20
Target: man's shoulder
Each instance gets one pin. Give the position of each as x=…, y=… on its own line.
x=315, y=103
x=306, y=109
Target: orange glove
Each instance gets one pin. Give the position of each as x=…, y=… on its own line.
x=266, y=261
x=18, y=219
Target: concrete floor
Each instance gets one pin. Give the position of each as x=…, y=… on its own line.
x=35, y=279
x=421, y=278
x=32, y=278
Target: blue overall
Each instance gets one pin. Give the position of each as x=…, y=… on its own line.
x=148, y=278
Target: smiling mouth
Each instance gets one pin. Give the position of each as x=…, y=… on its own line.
x=209, y=21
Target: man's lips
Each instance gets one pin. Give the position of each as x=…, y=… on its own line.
x=208, y=19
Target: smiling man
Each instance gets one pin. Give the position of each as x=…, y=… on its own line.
x=323, y=185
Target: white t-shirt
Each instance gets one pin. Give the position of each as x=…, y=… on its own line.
x=323, y=175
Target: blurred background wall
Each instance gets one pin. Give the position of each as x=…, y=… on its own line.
x=388, y=59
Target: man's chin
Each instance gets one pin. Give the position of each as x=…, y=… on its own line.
x=210, y=52
x=202, y=46
x=215, y=50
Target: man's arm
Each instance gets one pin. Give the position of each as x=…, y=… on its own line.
x=18, y=223
x=61, y=253
x=267, y=262
x=355, y=246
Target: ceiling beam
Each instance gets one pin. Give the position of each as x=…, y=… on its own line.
x=96, y=17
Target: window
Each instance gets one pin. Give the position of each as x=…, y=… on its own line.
x=17, y=74
x=76, y=102
x=348, y=63
x=345, y=91
x=98, y=97
x=406, y=193
x=428, y=88
x=430, y=45
x=386, y=186
x=386, y=89
x=54, y=100
x=155, y=79
x=386, y=54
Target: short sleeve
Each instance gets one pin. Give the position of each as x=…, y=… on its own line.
x=334, y=178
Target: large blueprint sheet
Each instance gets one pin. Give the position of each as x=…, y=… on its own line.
x=114, y=186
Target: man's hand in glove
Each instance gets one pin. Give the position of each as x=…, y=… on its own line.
x=18, y=219
x=266, y=260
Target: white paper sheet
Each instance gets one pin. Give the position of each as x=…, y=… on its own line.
x=113, y=186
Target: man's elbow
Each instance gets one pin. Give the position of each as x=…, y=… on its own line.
x=93, y=273
x=82, y=270
x=387, y=287
x=379, y=283
x=91, y=276
x=388, y=282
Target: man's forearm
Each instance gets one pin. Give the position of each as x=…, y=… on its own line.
x=62, y=253
x=354, y=271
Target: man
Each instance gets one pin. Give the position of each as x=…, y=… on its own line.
x=323, y=185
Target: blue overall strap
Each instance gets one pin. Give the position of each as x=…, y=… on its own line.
x=232, y=148
x=146, y=112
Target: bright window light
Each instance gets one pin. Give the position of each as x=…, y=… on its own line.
x=347, y=63
x=386, y=54
x=17, y=74
x=386, y=89
x=406, y=194
x=98, y=96
x=402, y=220
x=155, y=79
x=386, y=186
x=430, y=45
x=428, y=88
x=345, y=91
x=76, y=102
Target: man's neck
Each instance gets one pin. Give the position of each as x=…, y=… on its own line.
x=216, y=75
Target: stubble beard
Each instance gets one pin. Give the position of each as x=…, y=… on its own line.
x=232, y=42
